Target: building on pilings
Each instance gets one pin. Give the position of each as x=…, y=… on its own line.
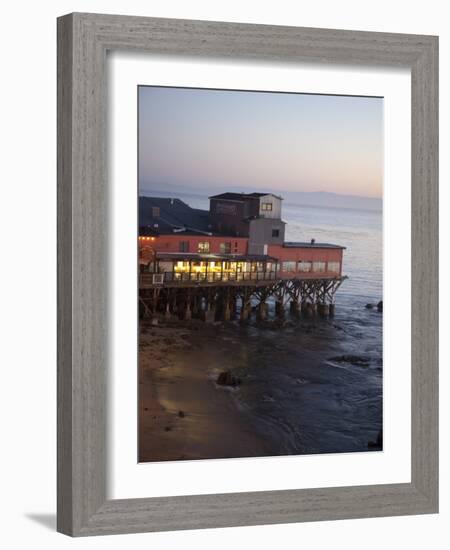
x=194, y=261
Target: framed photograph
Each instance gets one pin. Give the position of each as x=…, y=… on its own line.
x=247, y=274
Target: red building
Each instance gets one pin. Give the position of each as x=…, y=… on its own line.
x=240, y=238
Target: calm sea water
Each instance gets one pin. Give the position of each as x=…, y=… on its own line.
x=294, y=393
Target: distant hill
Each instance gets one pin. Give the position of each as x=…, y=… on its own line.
x=199, y=196
x=332, y=200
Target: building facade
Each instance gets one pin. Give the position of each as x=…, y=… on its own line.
x=240, y=238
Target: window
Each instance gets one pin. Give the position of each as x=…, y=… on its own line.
x=319, y=267
x=203, y=247
x=184, y=246
x=225, y=248
x=155, y=211
x=288, y=266
x=266, y=206
x=304, y=267
x=275, y=232
x=334, y=267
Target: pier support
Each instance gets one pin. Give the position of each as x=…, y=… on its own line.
x=226, y=312
x=187, y=312
x=262, y=311
x=279, y=309
x=294, y=308
x=245, y=312
x=308, y=309
x=167, y=314
x=210, y=313
x=323, y=310
x=219, y=302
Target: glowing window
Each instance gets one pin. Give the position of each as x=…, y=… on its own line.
x=334, y=267
x=288, y=266
x=319, y=267
x=304, y=267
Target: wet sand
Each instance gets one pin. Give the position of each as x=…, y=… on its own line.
x=305, y=389
x=183, y=413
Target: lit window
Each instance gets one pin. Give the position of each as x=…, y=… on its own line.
x=266, y=206
x=319, y=267
x=155, y=211
x=304, y=267
x=203, y=247
x=334, y=267
x=225, y=248
x=289, y=266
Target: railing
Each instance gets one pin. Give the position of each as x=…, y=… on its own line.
x=150, y=279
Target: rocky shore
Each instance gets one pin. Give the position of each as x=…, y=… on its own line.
x=224, y=390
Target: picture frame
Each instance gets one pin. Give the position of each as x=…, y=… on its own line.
x=83, y=41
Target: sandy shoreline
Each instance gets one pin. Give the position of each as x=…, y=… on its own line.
x=307, y=387
x=183, y=414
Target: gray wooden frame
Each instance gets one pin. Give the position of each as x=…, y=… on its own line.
x=83, y=40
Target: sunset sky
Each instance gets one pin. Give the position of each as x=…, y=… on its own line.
x=269, y=141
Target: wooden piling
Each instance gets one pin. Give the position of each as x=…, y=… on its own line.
x=219, y=302
x=262, y=311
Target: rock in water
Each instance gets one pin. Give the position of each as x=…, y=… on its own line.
x=369, y=306
x=353, y=359
x=380, y=306
x=225, y=378
x=378, y=443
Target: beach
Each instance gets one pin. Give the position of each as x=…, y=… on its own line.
x=306, y=387
x=183, y=414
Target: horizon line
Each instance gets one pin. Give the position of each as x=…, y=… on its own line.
x=256, y=189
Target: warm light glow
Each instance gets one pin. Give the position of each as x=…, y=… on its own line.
x=215, y=267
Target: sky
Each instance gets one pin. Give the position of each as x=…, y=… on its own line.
x=219, y=139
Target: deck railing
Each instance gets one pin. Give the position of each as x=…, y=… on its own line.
x=149, y=279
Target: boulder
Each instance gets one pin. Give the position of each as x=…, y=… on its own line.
x=378, y=443
x=225, y=378
x=352, y=359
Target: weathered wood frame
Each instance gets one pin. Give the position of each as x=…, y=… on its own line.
x=83, y=40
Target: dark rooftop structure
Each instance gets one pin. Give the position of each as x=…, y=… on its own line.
x=162, y=216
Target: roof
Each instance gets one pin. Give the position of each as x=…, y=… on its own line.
x=312, y=244
x=167, y=216
x=241, y=197
x=200, y=257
